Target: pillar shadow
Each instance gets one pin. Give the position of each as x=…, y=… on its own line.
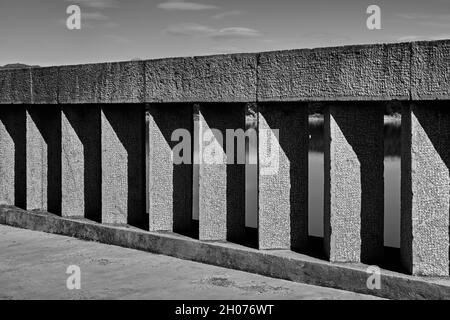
x=48, y=121
x=128, y=122
x=434, y=120
x=365, y=136
x=223, y=116
x=168, y=118
x=86, y=122
x=291, y=119
x=14, y=119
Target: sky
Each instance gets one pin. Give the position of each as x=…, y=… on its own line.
x=35, y=32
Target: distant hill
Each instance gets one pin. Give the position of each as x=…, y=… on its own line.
x=17, y=66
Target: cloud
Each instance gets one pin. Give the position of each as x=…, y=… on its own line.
x=185, y=6
x=198, y=30
x=98, y=4
x=93, y=16
x=227, y=14
x=428, y=20
x=235, y=33
x=190, y=29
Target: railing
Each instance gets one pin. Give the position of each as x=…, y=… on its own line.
x=97, y=141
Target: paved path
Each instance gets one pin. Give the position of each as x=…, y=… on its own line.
x=33, y=266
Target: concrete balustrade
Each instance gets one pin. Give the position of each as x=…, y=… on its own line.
x=97, y=141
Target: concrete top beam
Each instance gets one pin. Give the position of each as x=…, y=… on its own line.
x=403, y=71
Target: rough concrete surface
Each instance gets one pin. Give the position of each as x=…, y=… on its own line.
x=354, y=182
x=283, y=161
x=221, y=183
x=282, y=264
x=15, y=86
x=400, y=71
x=121, y=82
x=45, y=85
x=169, y=184
x=43, y=160
x=33, y=266
x=122, y=163
x=374, y=72
x=81, y=160
x=430, y=70
x=224, y=78
x=425, y=188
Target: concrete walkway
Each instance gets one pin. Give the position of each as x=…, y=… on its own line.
x=33, y=266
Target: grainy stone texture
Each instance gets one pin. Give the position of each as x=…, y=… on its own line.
x=354, y=182
x=223, y=78
x=121, y=82
x=170, y=184
x=281, y=264
x=81, y=159
x=43, y=158
x=283, y=176
x=44, y=85
x=431, y=70
x=368, y=72
x=15, y=86
x=221, y=183
x=12, y=155
x=425, y=188
x=123, y=167
x=371, y=72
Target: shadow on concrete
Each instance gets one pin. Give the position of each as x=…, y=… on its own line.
x=128, y=123
x=362, y=127
x=48, y=121
x=86, y=122
x=433, y=132
x=291, y=119
x=14, y=119
x=168, y=118
x=223, y=116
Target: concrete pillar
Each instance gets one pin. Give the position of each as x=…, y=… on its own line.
x=43, y=158
x=12, y=155
x=221, y=180
x=283, y=176
x=354, y=182
x=123, y=165
x=425, y=184
x=81, y=159
x=170, y=168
